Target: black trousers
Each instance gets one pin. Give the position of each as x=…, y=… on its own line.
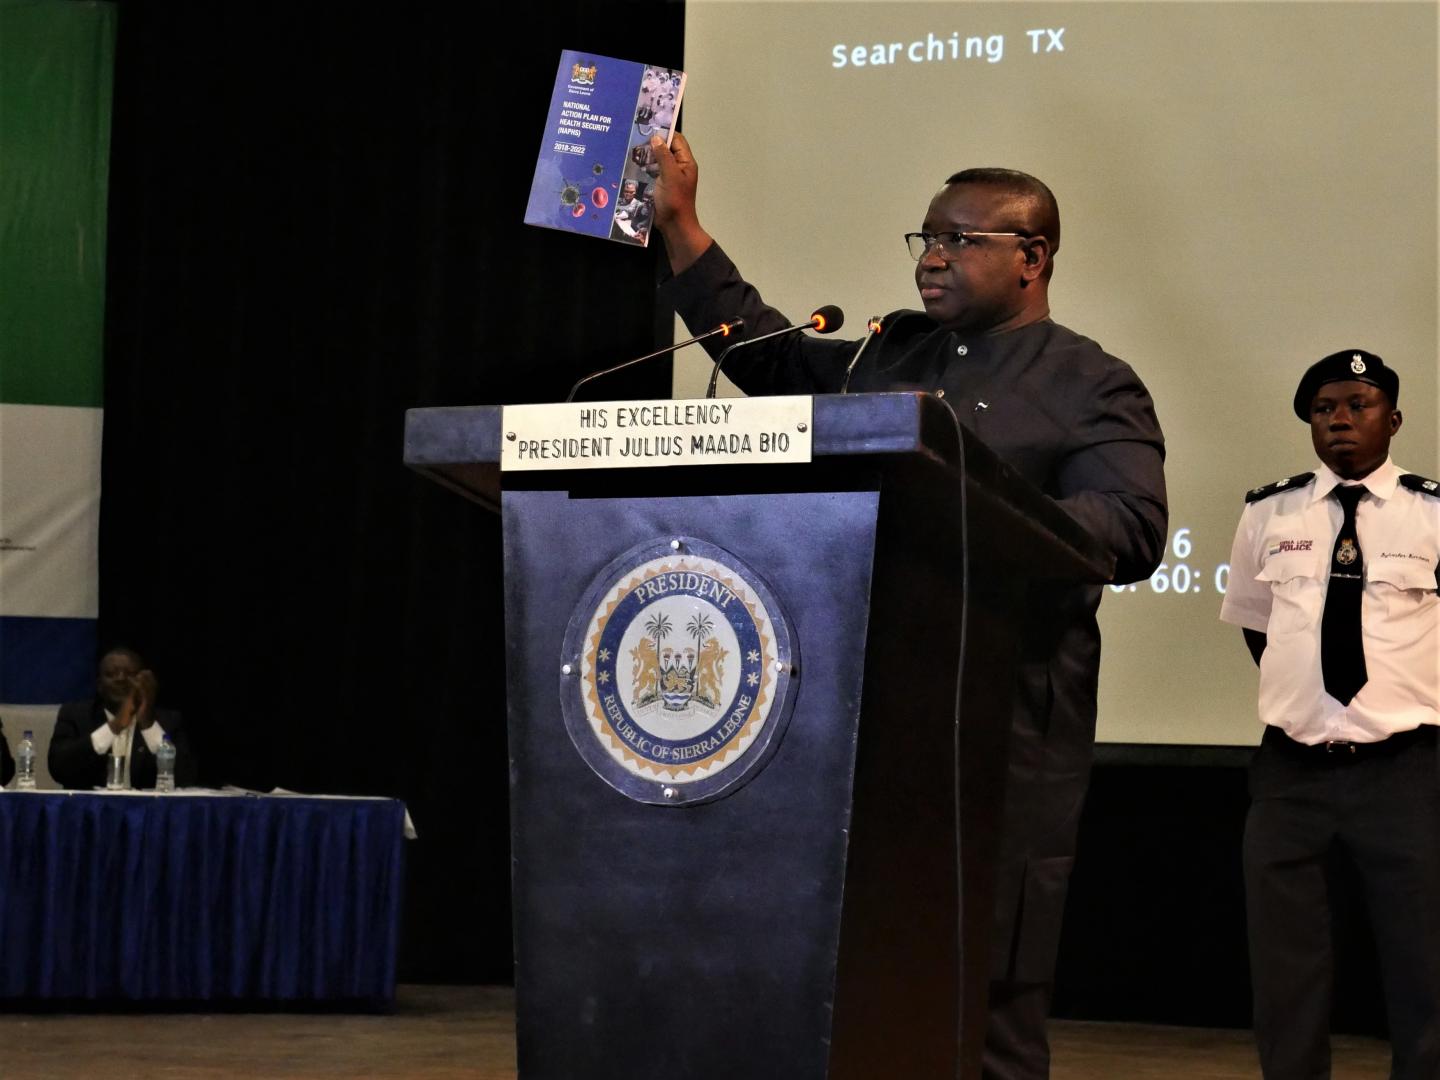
x=1380, y=809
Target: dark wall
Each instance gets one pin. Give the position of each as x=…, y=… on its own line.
x=315, y=224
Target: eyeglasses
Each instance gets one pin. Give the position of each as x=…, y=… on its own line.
x=951, y=244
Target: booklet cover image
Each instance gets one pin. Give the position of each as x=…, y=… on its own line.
x=596, y=168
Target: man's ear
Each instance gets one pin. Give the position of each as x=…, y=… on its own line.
x=1037, y=258
x=1395, y=421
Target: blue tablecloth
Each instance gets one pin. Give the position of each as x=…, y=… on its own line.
x=199, y=898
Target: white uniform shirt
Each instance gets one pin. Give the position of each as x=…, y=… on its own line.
x=1279, y=571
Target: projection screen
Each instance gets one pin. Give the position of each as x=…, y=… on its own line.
x=1244, y=188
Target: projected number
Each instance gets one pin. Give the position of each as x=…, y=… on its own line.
x=1180, y=578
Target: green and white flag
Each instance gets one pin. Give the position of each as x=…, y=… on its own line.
x=56, y=74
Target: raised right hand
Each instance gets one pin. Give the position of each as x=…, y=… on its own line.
x=674, y=192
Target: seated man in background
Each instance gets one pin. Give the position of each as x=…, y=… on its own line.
x=7, y=764
x=120, y=721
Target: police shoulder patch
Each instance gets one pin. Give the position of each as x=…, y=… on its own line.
x=1289, y=483
x=1425, y=486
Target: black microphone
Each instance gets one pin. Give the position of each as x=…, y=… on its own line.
x=825, y=320
x=725, y=329
x=874, y=324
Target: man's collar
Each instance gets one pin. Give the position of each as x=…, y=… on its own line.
x=1381, y=482
x=979, y=345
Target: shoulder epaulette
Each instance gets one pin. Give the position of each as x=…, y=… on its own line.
x=1416, y=482
x=1290, y=483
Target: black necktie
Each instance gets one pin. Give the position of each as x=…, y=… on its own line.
x=1342, y=652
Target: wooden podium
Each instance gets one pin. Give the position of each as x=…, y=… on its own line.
x=819, y=904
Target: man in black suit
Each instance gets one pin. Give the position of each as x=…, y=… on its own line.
x=121, y=721
x=1073, y=420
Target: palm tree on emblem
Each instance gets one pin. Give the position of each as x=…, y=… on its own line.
x=699, y=628
x=709, y=660
x=658, y=627
x=647, y=674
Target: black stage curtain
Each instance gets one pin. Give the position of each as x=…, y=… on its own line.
x=315, y=224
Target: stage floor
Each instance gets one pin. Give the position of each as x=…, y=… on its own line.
x=467, y=1033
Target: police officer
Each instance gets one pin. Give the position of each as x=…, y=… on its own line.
x=1333, y=578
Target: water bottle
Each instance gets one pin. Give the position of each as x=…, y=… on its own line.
x=25, y=763
x=165, y=765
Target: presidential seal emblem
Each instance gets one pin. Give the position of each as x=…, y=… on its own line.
x=1357, y=364
x=1347, y=552
x=679, y=670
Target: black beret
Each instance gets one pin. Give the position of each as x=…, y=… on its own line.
x=1349, y=365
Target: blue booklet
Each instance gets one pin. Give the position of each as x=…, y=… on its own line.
x=596, y=166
